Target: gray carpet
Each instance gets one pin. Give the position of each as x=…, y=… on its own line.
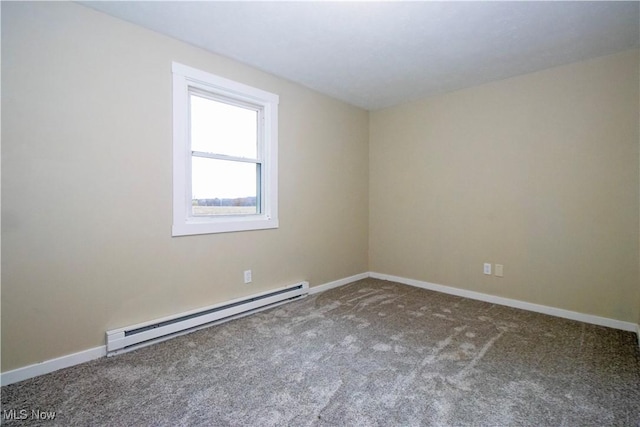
x=369, y=353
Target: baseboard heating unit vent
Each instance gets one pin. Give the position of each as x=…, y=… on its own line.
x=125, y=339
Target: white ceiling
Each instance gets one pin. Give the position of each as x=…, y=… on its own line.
x=378, y=54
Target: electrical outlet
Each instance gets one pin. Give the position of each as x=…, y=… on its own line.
x=487, y=268
x=247, y=276
x=499, y=270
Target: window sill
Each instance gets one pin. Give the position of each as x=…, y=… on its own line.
x=223, y=225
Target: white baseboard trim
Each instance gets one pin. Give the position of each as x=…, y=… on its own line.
x=52, y=365
x=337, y=283
x=552, y=311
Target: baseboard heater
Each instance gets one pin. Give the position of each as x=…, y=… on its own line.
x=125, y=339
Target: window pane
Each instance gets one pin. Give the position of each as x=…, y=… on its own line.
x=221, y=128
x=224, y=187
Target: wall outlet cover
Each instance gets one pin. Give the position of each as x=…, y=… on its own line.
x=487, y=268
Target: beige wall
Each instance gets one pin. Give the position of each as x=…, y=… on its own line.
x=539, y=173
x=86, y=185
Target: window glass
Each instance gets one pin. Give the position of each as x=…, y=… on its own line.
x=225, y=155
x=221, y=128
x=224, y=187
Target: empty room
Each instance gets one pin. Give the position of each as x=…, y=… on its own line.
x=320, y=213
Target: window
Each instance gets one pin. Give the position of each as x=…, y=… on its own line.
x=225, y=151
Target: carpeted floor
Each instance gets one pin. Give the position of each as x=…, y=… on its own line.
x=369, y=353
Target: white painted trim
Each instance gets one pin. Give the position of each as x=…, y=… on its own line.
x=552, y=311
x=52, y=365
x=184, y=224
x=337, y=283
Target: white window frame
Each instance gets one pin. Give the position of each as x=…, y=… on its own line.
x=184, y=223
